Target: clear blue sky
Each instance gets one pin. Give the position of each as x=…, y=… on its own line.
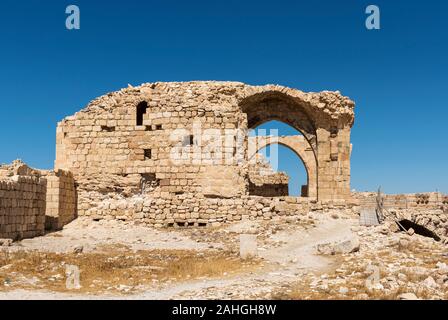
x=397, y=75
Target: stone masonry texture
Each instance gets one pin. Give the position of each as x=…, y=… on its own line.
x=119, y=148
x=180, y=154
x=61, y=199
x=34, y=200
x=22, y=202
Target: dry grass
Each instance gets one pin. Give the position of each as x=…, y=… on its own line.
x=112, y=267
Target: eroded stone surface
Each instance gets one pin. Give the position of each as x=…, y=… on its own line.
x=122, y=145
x=30, y=199
x=248, y=246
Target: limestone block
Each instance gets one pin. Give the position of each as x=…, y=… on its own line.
x=248, y=246
x=222, y=181
x=339, y=247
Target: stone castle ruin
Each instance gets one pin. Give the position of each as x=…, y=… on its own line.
x=122, y=149
x=180, y=154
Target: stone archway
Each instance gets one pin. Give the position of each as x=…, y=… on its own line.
x=300, y=146
x=324, y=119
x=275, y=105
x=119, y=151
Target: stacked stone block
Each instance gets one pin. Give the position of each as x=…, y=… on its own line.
x=417, y=201
x=264, y=181
x=61, y=199
x=333, y=157
x=187, y=210
x=22, y=207
x=124, y=139
x=426, y=209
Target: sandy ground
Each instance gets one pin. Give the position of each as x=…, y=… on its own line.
x=287, y=253
x=290, y=266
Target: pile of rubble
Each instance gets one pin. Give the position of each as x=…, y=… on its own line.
x=382, y=265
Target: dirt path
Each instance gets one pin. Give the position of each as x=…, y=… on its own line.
x=286, y=263
x=283, y=264
x=300, y=245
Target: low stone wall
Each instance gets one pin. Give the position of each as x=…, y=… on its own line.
x=418, y=201
x=189, y=210
x=429, y=210
x=273, y=184
x=33, y=200
x=22, y=207
x=61, y=199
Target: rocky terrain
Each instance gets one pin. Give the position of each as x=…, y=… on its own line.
x=310, y=257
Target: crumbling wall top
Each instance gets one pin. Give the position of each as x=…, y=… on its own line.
x=218, y=95
x=17, y=168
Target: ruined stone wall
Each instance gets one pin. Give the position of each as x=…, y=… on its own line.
x=416, y=201
x=429, y=210
x=435, y=220
x=122, y=144
x=32, y=200
x=61, y=199
x=17, y=168
x=301, y=147
x=333, y=171
x=22, y=207
x=163, y=210
x=264, y=181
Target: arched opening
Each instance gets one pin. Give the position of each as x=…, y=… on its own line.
x=274, y=105
x=419, y=229
x=290, y=164
x=280, y=161
x=265, y=108
x=141, y=110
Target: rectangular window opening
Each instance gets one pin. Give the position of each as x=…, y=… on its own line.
x=107, y=129
x=188, y=141
x=148, y=154
x=141, y=110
